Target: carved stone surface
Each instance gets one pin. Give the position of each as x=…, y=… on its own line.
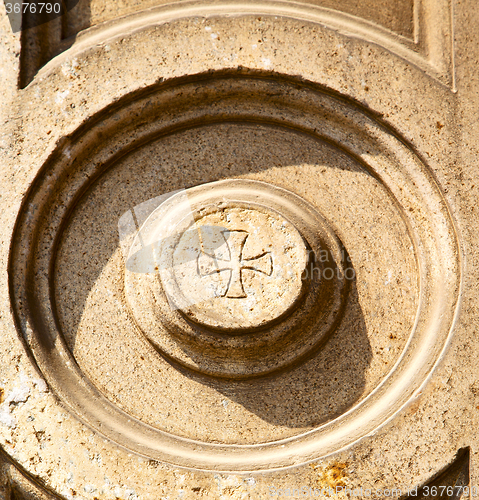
x=220, y=280
x=238, y=252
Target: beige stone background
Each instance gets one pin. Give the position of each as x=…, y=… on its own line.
x=409, y=67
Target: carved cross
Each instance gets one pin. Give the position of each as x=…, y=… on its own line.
x=235, y=240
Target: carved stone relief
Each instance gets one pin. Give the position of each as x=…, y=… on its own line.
x=421, y=31
x=235, y=256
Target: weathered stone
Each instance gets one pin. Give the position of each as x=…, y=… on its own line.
x=239, y=251
x=220, y=280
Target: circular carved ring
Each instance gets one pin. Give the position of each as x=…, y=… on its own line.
x=262, y=99
x=239, y=291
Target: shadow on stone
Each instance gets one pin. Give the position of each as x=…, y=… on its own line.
x=17, y=484
x=451, y=484
x=315, y=391
x=319, y=388
x=45, y=35
x=87, y=278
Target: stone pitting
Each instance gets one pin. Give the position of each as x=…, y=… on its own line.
x=90, y=392
x=235, y=267
x=235, y=240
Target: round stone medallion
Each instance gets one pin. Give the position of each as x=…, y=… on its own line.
x=343, y=356
x=237, y=268
x=221, y=277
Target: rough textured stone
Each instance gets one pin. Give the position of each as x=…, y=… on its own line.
x=171, y=174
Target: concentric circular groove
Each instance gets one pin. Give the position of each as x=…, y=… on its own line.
x=183, y=105
x=198, y=312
